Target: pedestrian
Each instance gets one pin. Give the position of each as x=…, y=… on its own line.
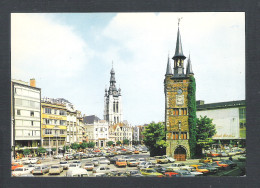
x=230, y=158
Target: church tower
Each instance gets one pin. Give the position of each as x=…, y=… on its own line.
x=176, y=85
x=112, y=102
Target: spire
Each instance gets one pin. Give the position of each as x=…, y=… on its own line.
x=169, y=68
x=112, y=87
x=189, y=67
x=178, y=49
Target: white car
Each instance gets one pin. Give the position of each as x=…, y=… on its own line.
x=64, y=164
x=21, y=171
x=59, y=156
x=102, y=169
x=170, y=159
x=80, y=172
x=56, y=169
x=30, y=161
x=104, y=161
x=95, y=162
x=73, y=165
x=31, y=167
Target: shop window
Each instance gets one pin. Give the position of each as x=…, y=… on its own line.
x=32, y=113
x=18, y=112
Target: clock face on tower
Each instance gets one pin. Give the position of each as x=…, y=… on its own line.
x=179, y=91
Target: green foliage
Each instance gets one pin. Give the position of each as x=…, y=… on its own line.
x=110, y=143
x=53, y=149
x=155, y=138
x=84, y=145
x=26, y=152
x=205, y=128
x=126, y=141
x=66, y=148
x=192, y=115
x=118, y=142
x=91, y=144
x=75, y=146
x=41, y=150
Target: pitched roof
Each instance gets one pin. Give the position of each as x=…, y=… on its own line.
x=90, y=119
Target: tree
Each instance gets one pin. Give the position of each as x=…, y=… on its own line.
x=66, y=148
x=155, y=138
x=91, y=144
x=118, y=142
x=84, y=145
x=26, y=152
x=192, y=115
x=41, y=150
x=205, y=129
x=110, y=143
x=75, y=146
x=126, y=141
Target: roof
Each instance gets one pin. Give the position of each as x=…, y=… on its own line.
x=90, y=119
x=169, y=68
x=178, y=49
x=229, y=104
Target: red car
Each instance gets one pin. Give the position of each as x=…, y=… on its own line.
x=169, y=172
x=221, y=164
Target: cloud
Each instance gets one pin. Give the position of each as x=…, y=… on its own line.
x=51, y=51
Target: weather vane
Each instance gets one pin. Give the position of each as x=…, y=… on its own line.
x=179, y=19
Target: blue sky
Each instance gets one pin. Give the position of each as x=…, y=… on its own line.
x=70, y=55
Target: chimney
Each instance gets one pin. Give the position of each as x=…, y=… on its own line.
x=32, y=82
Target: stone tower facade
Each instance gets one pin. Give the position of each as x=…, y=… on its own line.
x=176, y=84
x=112, y=102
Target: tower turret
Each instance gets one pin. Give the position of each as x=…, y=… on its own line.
x=189, y=67
x=169, y=68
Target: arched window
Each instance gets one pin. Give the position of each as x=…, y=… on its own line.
x=117, y=119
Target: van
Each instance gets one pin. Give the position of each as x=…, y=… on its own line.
x=41, y=169
x=77, y=173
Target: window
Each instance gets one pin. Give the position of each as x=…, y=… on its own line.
x=47, y=110
x=62, y=122
x=18, y=112
x=32, y=113
x=32, y=123
x=48, y=131
x=18, y=102
x=62, y=131
x=55, y=111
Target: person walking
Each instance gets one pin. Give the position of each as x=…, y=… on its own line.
x=230, y=158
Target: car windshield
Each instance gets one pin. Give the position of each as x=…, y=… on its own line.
x=150, y=171
x=169, y=170
x=18, y=169
x=63, y=162
x=186, y=173
x=55, y=167
x=88, y=165
x=132, y=160
x=30, y=165
x=201, y=167
x=134, y=172
x=73, y=165
x=37, y=168
x=121, y=160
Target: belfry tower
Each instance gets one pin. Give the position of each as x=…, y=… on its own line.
x=176, y=85
x=112, y=102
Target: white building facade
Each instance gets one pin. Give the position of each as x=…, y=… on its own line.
x=97, y=132
x=26, y=114
x=229, y=118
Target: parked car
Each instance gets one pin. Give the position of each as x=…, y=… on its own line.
x=31, y=161
x=184, y=173
x=102, y=169
x=77, y=162
x=89, y=166
x=134, y=173
x=55, y=169
x=242, y=158
x=230, y=163
x=59, y=156
x=221, y=164
x=31, y=167
x=132, y=162
x=69, y=157
x=141, y=160
x=208, y=166
x=170, y=159
x=150, y=172
x=121, y=163
x=64, y=164
x=160, y=169
x=200, y=168
x=16, y=165
x=141, y=165
x=161, y=159
x=41, y=169
x=193, y=171
x=100, y=175
x=74, y=165
x=151, y=159
x=21, y=171
x=170, y=172
x=206, y=160
x=80, y=172
x=103, y=161
x=223, y=154
x=136, y=152
x=95, y=162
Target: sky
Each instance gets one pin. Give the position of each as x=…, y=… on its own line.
x=70, y=55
